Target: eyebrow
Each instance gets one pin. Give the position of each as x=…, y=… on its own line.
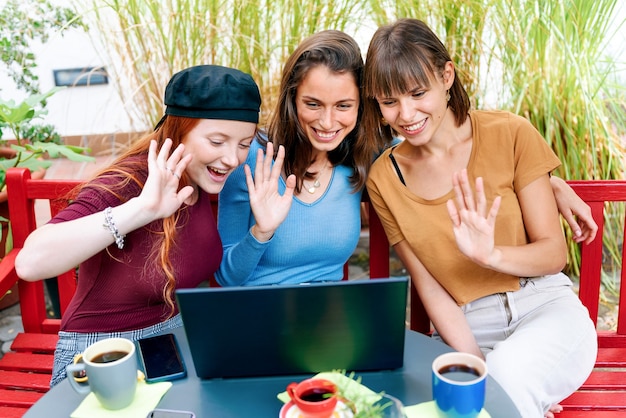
x=318, y=100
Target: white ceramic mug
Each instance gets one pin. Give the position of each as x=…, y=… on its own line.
x=111, y=369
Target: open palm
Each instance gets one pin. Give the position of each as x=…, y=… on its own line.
x=160, y=191
x=474, y=227
x=269, y=207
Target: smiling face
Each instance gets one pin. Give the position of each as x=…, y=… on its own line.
x=418, y=114
x=218, y=147
x=327, y=107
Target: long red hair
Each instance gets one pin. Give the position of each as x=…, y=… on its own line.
x=126, y=168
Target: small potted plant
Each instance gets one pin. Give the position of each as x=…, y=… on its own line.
x=27, y=151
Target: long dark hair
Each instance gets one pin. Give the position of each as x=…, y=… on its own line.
x=340, y=54
x=399, y=56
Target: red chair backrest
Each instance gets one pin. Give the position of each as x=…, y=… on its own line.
x=23, y=193
x=597, y=193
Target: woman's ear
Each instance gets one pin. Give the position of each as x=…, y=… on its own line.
x=448, y=74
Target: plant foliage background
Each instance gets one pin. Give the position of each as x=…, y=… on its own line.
x=543, y=59
x=21, y=23
x=147, y=41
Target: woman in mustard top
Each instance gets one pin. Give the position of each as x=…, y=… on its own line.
x=467, y=203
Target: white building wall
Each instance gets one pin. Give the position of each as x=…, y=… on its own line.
x=80, y=110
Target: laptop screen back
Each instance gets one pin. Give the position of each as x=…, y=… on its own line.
x=295, y=329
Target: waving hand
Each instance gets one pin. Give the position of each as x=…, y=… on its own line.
x=268, y=206
x=160, y=194
x=474, y=227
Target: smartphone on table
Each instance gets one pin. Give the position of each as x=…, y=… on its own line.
x=168, y=413
x=161, y=359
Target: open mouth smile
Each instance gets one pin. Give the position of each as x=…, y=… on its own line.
x=217, y=171
x=415, y=127
x=325, y=135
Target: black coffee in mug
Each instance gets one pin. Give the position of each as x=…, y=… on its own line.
x=109, y=356
x=316, y=395
x=459, y=372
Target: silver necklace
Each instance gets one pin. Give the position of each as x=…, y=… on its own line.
x=316, y=183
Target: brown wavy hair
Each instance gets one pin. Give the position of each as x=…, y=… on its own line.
x=399, y=56
x=340, y=54
x=131, y=167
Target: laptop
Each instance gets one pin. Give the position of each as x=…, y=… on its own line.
x=354, y=325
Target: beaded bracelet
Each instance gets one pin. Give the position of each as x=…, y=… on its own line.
x=110, y=225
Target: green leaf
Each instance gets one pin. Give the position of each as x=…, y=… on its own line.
x=16, y=113
x=35, y=164
x=73, y=153
x=7, y=163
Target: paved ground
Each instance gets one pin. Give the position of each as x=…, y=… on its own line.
x=10, y=326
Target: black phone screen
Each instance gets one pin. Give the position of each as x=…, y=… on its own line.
x=161, y=358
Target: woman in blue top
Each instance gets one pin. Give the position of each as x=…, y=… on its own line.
x=317, y=120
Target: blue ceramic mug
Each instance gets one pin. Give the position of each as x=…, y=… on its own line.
x=458, y=381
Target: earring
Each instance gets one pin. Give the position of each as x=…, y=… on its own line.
x=384, y=122
x=447, y=95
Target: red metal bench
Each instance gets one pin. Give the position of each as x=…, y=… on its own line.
x=25, y=371
x=604, y=393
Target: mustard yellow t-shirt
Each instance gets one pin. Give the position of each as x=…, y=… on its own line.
x=509, y=153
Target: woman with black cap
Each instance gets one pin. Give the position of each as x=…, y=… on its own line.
x=143, y=226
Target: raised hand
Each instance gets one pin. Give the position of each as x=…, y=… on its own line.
x=160, y=194
x=268, y=206
x=474, y=228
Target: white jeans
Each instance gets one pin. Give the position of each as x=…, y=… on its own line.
x=539, y=341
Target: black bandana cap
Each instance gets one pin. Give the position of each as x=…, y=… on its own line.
x=212, y=92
